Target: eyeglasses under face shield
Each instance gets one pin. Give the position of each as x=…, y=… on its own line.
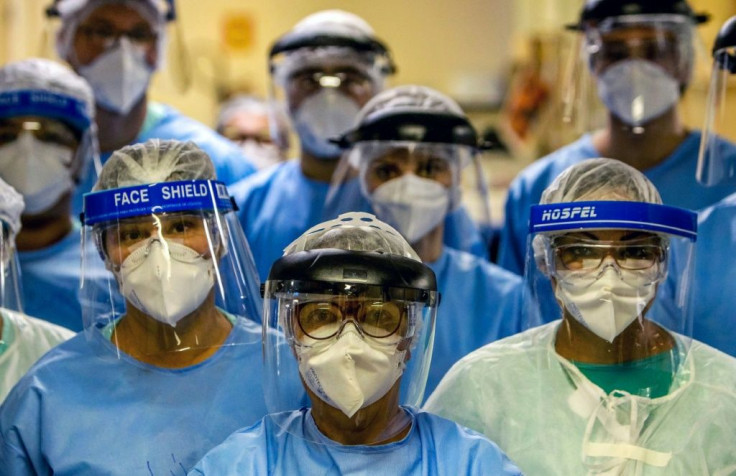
x=386, y=314
x=579, y=257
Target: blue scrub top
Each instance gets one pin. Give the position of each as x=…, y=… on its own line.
x=278, y=204
x=83, y=410
x=674, y=178
x=481, y=302
x=50, y=279
x=291, y=443
x=164, y=122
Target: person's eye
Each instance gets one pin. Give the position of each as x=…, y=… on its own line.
x=130, y=235
x=140, y=35
x=386, y=172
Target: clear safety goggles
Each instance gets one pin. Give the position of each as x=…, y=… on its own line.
x=43, y=129
x=588, y=255
x=348, y=80
x=662, y=39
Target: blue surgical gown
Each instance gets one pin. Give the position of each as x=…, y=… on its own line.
x=50, y=279
x=278, y=204
x=83, y=410
x=164, y=122
x=674, y=178
x=291, y=443
x=481, y=302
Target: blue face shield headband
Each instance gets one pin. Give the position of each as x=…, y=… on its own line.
x=45, y=104
x=163, y=197
x=650, y=217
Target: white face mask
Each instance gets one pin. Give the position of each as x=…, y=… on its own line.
x=411, y=204
x=610, y=303
x=119, y=77
x=350, y=373
x=37, y=170
x=637, y=91
x=166, y=280
x=262, y=155
x=322, y=116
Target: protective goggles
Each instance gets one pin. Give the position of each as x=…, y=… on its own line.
x=43, y=129
x=348, y=81
x=324, y=319
x=576, y=254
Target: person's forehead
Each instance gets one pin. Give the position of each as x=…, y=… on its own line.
x=638, y=34
x=250, y=122
x=405, y=154
x=607, y=235
x=117, y=14
x=331, y=66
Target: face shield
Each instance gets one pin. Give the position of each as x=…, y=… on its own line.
x=48, y=141
x=357, y=327
x=716, y=161
x=601, y=267
x=637, y=66
x=10, y=284
x=181, y=280
x=322, y=88
x=414, y=169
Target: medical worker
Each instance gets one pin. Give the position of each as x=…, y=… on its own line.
x=47, y=143
x=247, y=121
x=413, y=182
x=640, y=54
x=715, y=271
x=322, y=72
x=117, y=46
x=351, y=309
x=151, y=384
x=609, y=388
x=23, y=339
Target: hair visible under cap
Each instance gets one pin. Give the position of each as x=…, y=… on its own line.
x=601, y=179
x=155, y=161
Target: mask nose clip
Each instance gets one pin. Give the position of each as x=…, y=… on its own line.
x=609, y=263
x=350, y=320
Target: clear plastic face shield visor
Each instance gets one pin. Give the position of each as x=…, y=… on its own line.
x=51, y=118
x=181, y=278
x=633, y=67
x=413, y=170
x=360, y=348
x=11, y=295
x=618, y=273
x=162, y=34
x=321, y=89
x=716, y=161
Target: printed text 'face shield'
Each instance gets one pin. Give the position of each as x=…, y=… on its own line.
x=361, y=350
x=182, y=280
